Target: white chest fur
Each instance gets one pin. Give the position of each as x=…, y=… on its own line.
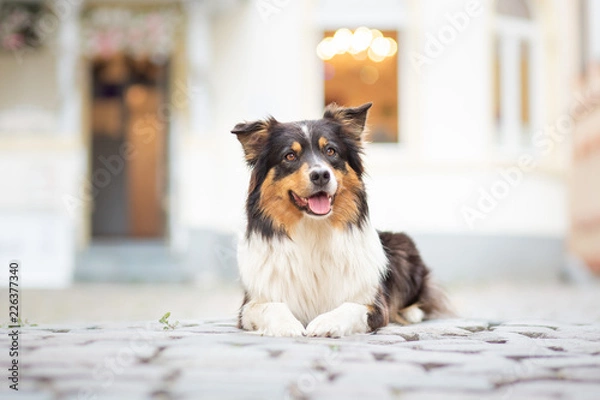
x=316, y=270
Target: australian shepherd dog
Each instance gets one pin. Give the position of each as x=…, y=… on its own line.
x=311, y=263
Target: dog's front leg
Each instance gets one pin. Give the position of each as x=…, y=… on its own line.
x=271, y=319
x=344, y=320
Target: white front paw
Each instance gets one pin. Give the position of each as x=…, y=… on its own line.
x=284, y=327
x=345, y=320
x=326, y=325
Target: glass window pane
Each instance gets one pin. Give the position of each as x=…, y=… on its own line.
x=356, y=77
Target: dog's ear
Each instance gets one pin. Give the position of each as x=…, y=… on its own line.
x=352, y=119
x=253, y=137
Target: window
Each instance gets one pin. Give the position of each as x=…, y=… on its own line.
x=362, y=66
x=516, y=68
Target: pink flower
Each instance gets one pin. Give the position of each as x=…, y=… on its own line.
x=13, y=41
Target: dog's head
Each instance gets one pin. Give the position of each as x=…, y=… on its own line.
x=304, y=169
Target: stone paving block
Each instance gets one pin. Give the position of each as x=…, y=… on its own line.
x=221, y=383
x=533, y=332
x=25, y=395
x=381, y=370
x=591, y=374
x=491, y=366
x=385, y=339
x=85, y=389
x=433, y=394
x=572, y=346
x=432, y=357
x=556, y=389
x=52, y=372
x=452, y=345
x=443, y=382
x=534, y=323
x=582, y=332
x=351, y=390
x=428, y=330
x=75, y=354
x=497, y=337
x=565, y=361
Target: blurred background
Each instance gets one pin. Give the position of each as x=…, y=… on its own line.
x=122, y=191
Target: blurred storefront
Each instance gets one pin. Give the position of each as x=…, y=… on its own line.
x=117, y=162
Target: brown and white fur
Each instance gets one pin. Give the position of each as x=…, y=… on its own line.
x=311, y=263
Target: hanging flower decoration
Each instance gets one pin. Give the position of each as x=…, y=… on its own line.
x=109, y=31
x=19, y=25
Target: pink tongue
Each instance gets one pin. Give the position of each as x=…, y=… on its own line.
x=319, y=204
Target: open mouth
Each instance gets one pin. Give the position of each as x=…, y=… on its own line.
x=317, y=204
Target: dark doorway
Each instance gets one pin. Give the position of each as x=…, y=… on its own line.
x=129, y=139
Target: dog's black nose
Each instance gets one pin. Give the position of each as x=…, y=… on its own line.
x=320, y=177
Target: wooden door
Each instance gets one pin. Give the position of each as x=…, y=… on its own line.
x=128, y=148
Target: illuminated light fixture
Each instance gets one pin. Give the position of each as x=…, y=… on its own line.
x=326, y=49
x=373, y=56
x=380, y=46
x=342, y=40
x=376, y=33
x=361, y=39
x=361, y=43
x=393, y=47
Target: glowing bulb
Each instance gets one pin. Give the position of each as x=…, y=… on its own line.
x=326, y=49
x=393, y=47
x=342, y=40
x=381, y=46
x=376, y=33
x=361, y=39
x=374, y=56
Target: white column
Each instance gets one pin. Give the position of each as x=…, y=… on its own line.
x=199, y=54
x=67, y=71
x=593, y=14
x=510, y=96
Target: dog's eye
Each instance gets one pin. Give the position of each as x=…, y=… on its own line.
x=330, y=152
x=291, y=156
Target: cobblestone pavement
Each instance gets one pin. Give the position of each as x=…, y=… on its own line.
x=445, y=359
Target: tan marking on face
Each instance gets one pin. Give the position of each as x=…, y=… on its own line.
x=323, y=142
x=297, y=147
x=345, y=207
x=275, y=200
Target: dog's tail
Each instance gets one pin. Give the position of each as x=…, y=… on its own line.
x=434, y=301
x=410, y=292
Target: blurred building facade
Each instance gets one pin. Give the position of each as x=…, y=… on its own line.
x=117, y=162
x=584, y=235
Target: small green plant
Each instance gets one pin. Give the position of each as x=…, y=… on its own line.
x=166, y=324
x=25, y=322
x=20, y=324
